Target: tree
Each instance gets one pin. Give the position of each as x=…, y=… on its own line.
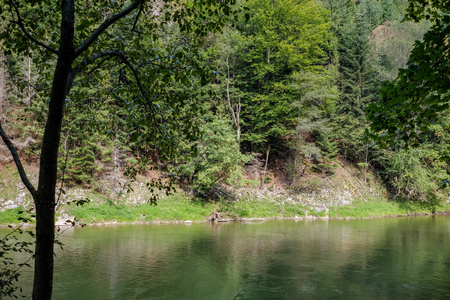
x=413, y=110
x=217, y=157
x=419, y=95
x=260, y=58
x=391, y=43
x=315, y=101
x=73, y=40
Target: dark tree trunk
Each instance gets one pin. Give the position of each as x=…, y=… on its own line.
x=45, y=196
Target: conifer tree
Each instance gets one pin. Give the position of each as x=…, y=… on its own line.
x=359, y=81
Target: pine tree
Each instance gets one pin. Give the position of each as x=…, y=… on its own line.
x=359, y=82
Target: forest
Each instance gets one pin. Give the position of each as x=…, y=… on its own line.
x=211, y=97
x=285, y=85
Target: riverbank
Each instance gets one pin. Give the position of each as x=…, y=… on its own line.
x=341, y=196
x=179, y=208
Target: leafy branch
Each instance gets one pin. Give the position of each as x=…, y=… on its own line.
x=19, y=22
x=104, y=26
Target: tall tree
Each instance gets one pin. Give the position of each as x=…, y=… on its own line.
x=279, y=39
x=77, y=38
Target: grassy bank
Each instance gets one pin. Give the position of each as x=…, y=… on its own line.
x=342, y=195
x=180, y=208
x=382, y=207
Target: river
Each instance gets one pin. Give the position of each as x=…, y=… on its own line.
x=391, y=258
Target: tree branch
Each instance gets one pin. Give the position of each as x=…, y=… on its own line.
x=19, y=166
x=137, y=17
x=97, y=66
x=108, y=22
x=125, y=60
x=127, y=63
x=19, y=22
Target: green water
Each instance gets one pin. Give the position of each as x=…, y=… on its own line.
x=399, y=258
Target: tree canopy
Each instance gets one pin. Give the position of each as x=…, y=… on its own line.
x=77, y=40
x=197, y=88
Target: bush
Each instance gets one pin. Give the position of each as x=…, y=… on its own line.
x=217, y=158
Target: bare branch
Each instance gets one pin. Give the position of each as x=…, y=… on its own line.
x=19, y=166
x=106, y=55
x=19, y=22
x=234, y=112
x=60, y=190
x=108, y=22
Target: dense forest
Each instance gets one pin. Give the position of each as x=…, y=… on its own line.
x=284, y=89
x=215, y=95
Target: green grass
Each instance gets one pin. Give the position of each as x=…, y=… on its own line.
x=381, y=207
x=11, y=216
x=179, y=208
x=261, y=209
x=172, y=208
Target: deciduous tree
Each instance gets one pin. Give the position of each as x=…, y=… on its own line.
x=69, y=39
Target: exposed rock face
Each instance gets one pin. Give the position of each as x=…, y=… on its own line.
x=255, y=167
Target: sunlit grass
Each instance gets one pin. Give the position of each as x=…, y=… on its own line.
x=173, y=208
x=179, y=207
x=261, y=209
x=11, y=216
x=378, y=207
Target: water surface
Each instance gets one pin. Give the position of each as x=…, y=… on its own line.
x=404, y=258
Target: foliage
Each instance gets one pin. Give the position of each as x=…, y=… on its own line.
x=217, y=157
x=419, y=95
x=414, y=109
x=391, y=43
x=417, y=172
x=329, y=152
x=279, y=39
x=296, y=77
x=316, y=96
x=14, y=242
x=80, y=39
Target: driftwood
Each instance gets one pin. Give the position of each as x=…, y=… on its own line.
x=215, y=217
x=218, y=217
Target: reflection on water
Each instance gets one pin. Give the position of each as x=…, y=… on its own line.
x=406, y=258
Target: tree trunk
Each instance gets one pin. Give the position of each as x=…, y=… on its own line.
x=45, y=196
x=235, y=113
x=3, y=89
x=265, y=166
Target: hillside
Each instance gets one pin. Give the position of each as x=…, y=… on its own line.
x=275, y=105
